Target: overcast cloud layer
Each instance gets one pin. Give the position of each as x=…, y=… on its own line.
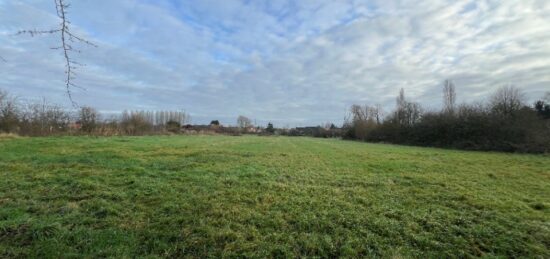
x=290, y=62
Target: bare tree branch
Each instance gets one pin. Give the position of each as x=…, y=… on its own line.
x=37, y=32
x=66, y=37
x=2, y=59
x=449, y=96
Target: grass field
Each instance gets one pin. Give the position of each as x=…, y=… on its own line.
x=214, y=196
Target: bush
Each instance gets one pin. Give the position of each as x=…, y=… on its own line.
x=135, y=123
x=173, y=126
x=270, y=129
x=504, y=124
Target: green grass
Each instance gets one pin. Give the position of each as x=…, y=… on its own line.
x=218, y=196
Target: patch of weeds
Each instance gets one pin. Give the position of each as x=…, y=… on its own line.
x=538, y=206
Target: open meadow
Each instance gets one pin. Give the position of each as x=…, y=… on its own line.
x=222, y=196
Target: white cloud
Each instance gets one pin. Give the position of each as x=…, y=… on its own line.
x=293, y=62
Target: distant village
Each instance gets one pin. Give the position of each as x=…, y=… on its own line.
x=329, y=130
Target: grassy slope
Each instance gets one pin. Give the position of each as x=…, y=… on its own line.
x=267, y=196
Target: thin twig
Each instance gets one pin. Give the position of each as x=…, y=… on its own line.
x=37, y=32
x=66, y=37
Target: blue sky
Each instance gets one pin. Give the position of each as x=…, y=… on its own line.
x=291, y=62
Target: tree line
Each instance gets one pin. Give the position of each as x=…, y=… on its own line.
x=506, y=122
x=503, y=123
x=44, y=119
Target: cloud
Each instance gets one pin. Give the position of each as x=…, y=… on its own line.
x=291, y=62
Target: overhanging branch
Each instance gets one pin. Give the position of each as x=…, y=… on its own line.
x=66, y=37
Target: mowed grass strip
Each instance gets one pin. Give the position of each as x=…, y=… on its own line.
x=219, y=196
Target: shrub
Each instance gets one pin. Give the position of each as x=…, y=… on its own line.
x=173, y=126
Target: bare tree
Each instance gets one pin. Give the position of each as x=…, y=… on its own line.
x=135, y=123
x=413, y=113
x=41, y=119
x=359, y=113
x=407, y=113
x=376, y=113
x=9, y=113
x=506, y=100
x=449, y=97
x=3, y=96
x=401, y=101
x=243, y=122
x=366, y=114
x=401, y=109
x=88, y=118
x=363, y=120
x=67, y=38
x=161, y=118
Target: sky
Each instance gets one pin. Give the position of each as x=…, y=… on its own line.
x=291, y=62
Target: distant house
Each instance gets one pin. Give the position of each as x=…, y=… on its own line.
x=201, y=129
x=252, y=129
x=307, y=131
x=77, y=125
